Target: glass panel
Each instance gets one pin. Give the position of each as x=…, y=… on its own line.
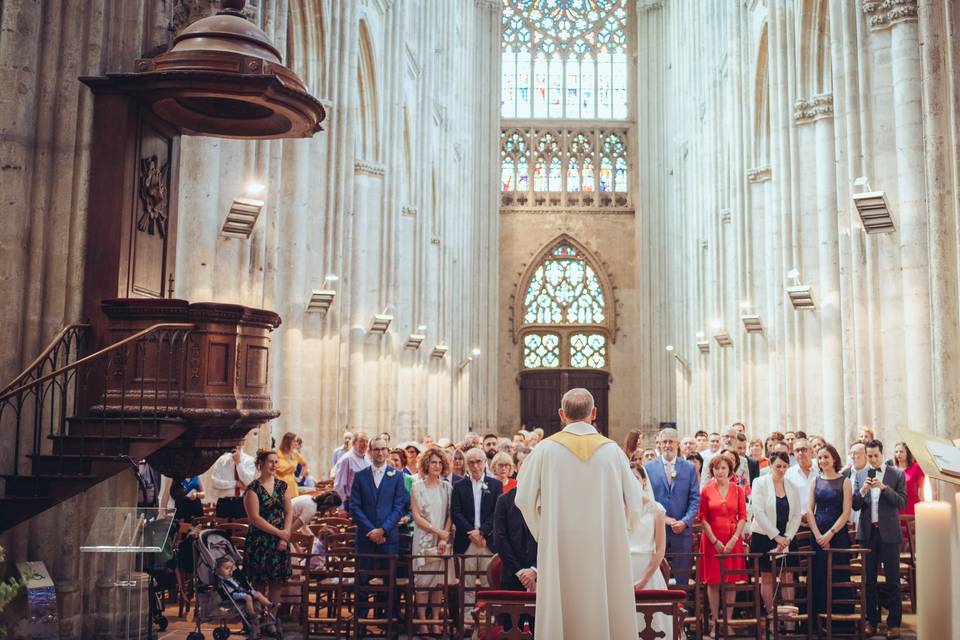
x=508, y=85
x=540, y=176
x=523, y=85
x=554, y=182
x=588, y=350
x=582, y=48
x=523, y=177
x=573, y=176
x=588, y=176
x=564, y=290
x=606, y=175
x=540, y=88
x=541, y=351
x=507, y=175
x=620, y=179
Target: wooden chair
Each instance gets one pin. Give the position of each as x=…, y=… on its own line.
x=793, y=600
x=494, y=607
x=375, y=591
x=327, y=596
x=471, y=570
x=670, y=603
x=742, y=595
x=908, y=560
x=439, y=572
x=693, y=614
x=846, y=593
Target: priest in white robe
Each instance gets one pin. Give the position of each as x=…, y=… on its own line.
x=580, y=499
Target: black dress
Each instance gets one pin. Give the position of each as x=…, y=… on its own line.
x=828, y=505
x=759, y=543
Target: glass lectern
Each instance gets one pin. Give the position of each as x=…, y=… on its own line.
x=117, y=590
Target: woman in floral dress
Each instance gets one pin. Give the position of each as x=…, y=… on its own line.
x=266, y=554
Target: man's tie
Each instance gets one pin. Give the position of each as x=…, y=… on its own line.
x=236, y=479
x=670, y=474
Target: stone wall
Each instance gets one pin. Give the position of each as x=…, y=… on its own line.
x=759, y=118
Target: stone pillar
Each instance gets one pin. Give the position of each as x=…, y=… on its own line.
x=940, y=142
x=911, y=213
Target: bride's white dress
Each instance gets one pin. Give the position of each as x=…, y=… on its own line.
x=642, y=548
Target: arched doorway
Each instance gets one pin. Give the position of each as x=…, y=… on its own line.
x=562, y=329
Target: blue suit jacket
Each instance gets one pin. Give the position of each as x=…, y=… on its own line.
x=682, y=498
x=378, y=508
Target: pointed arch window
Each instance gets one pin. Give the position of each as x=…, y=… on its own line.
x=564, y=320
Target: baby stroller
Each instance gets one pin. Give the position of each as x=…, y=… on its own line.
x=213, y=604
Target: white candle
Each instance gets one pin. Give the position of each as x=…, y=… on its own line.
x=934, y=615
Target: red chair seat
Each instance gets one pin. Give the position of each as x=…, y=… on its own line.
x=506, y=596
x=660, y=595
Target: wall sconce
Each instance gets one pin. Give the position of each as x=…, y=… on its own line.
x=414, y=340
x=704, y=346
x=321, y=299
x=465, y=362
x=723, y=338
x=873, y=208
x=380, y=323
x=801, y=296
x=752, y=323
x=244, y=212
x=439, y=351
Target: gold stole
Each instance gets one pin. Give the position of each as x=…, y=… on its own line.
x=582, y=446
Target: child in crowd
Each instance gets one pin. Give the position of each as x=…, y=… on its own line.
x=232, y=588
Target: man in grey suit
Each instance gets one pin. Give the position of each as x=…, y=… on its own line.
x=879, y=492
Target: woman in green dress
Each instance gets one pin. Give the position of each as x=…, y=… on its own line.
x=266, y=554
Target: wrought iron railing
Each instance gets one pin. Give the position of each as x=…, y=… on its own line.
x=122, y=390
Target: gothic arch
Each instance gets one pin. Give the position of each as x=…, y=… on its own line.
x=761, y=104
x=306, y=44
x=368, y=121
x=517, y=307
x=815, y=69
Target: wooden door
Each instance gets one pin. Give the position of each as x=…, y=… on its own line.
x=540, y=393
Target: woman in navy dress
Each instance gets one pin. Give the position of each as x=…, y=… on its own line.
x=831, y=499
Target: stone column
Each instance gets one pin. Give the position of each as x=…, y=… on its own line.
x=941, y=175
x=911, y=212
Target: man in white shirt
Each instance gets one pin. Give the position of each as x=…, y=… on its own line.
x=473, y=504
x=802, y=475
x=231, y=474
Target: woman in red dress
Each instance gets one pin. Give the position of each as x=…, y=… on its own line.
x=904, y=460
x=723, y=512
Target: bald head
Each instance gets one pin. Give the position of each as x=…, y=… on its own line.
x=577, y=405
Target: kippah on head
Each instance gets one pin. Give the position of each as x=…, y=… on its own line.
x=577, y=404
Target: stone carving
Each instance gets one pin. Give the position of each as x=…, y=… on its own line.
x=153, y=196
x=759, y=174
x=820, y=106
x=363, y=167
x=882, y=14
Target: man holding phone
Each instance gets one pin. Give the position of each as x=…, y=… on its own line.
x=879, y=492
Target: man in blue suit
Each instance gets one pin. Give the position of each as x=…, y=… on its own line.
x=676, y=486
x=378, y=499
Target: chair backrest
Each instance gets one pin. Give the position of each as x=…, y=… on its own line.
x=494, y=572
x=494, y=607
x=793, y=588
x=846, y=586
x=376, y=582
x=740, y=583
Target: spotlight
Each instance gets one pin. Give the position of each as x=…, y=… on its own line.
x=242, y=217
x=439, y=351
x=752, y=323
x=723, y=338
x=704, y=346
x=320, y=300
x=380, y=323
x=414, y=340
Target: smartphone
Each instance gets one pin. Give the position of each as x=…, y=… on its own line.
x=871, y=473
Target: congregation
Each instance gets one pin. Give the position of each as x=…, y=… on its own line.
x=717, y=501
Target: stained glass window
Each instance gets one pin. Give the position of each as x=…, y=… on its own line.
x=564, y=59
x=541, y=350
x=564, y=290
x=588, y=350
